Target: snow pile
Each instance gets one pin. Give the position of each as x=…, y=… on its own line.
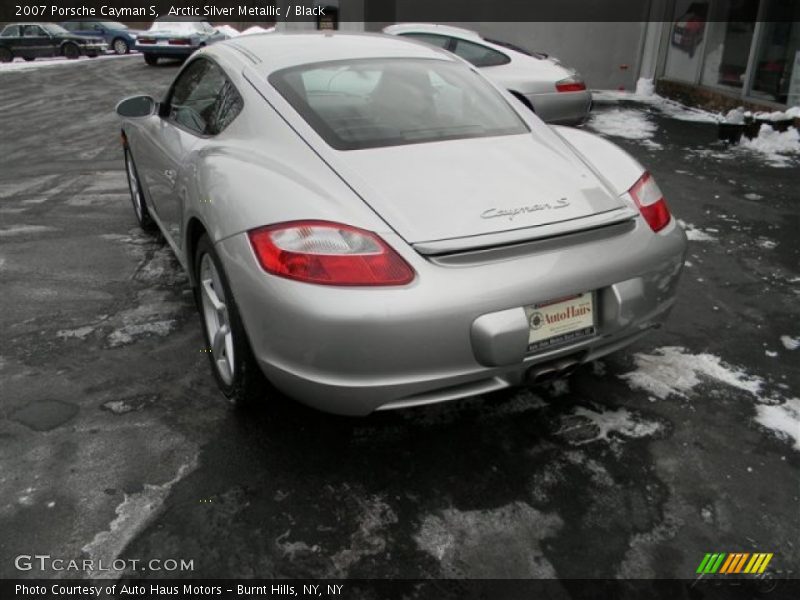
x=790, y=343
x=620, y=422
x=256, y=29
x=694, y=234
x=58, y=61
x=645, y=87
x=228, y=31
x=625, y=123
x=782, y=418
x=645, y=94
x=735, y=116
x=775, y=146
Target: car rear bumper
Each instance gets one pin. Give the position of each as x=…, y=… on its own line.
x=166, y=51
x=453, y=332
x=565, y=108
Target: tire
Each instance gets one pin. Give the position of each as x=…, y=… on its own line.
x=146, y=222
x=6, y=56
x=151, y=59
x=92, y=55
x=28, y=58
x=71, y=51
x=120, y=46
x=235, y=368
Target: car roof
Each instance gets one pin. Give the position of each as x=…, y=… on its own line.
x=269, y=52
x=433, y=28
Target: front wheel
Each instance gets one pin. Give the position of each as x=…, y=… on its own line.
x=235, y=369
x=120, y=46
x=71, y=51
x=137, y=196
x=151, y=60
x=6, y=56
x=28, y=58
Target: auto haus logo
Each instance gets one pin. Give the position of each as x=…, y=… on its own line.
x=734, y=563
x=513, y=213
x=537, y=319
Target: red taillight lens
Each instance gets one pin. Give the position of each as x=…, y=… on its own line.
x=570, y=84
x=329, y=254
x=142, y=40
x=651, y=203
x=180, y=42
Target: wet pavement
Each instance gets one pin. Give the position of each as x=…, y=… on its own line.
x=114, y=442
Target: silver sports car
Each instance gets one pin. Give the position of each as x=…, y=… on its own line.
x=552, y=90
x=370, y=223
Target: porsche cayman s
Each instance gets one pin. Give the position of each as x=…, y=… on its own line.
x=369, y=223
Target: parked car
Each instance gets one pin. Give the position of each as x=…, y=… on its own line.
x=171, y=37
x=688, y=29
x=371, y=224
x=553, y=91
x=119, y=37
x=36, y=40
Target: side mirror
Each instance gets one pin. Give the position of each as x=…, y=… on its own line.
x=137, y=106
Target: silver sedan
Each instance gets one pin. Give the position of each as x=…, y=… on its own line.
x=369, y=223
x=553, y=91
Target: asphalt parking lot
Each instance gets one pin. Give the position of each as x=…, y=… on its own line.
x=115, y=443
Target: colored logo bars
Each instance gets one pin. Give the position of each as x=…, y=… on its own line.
x=726, y=564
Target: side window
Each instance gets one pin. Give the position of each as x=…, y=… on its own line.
x=439, y=41
x=33, y=31
x=203, y=100
x=479, y=55
x=11, y=31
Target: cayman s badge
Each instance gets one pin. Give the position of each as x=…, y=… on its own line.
x=512, y=213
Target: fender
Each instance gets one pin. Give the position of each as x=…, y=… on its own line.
x=607, y=159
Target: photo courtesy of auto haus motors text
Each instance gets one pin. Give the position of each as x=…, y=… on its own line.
x=385, y=299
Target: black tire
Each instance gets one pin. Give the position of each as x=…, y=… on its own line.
x=140, y=209
x=6, y=56
x=120, y=46
x=71, y=51
x=92, y=55
x=151, y=59
x=28, y=58
x=247, y=383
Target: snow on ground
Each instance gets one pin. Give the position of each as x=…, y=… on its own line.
x=694, y=234
x=58, y=61
x=673, y=370
x=784, y=419
x=620, y=422
x=790, y=343
x=645, y=94
x=776, y=147
x=228, y=30
x=627, y=123
x=23, y=229
x=256, y=29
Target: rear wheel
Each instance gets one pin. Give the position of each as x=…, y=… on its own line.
x=120, y=46
x=137, y=197
x=71, y=51
x=232, y=362
x=28, y=58
x=6, y=55
x=151, y=59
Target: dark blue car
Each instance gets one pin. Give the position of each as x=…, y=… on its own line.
x=119, y=37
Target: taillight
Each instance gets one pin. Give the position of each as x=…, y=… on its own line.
x=329, y=254
x=142, y=40
x=651, y=203
x=180, y=42
x=570, y=84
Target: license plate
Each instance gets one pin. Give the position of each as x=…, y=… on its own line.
x=560, y=321
x=163, y=42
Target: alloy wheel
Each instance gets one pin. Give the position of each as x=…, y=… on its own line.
x=217, y=321
x=136, y=194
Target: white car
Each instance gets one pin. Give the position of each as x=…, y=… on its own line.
x=557, y=94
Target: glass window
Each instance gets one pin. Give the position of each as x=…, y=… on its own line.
x=686, y=37
x=32, y=31
x=479, y=55
x=729, y=41
x=203, y=99
x=54, y=29
x=433, y=39
x=11, y=31
x=371, y=103
x=776, y=72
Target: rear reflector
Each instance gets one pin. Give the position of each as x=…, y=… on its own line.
x=328, y=254
x=570, y=84
x=142, y=40
x=651, y=203
x=180, y=42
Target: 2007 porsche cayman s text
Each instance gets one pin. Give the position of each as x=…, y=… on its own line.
x=369, y=223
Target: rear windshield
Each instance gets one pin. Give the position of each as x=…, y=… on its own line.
x=372, y=103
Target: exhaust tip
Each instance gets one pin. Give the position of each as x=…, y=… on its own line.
x=552, y=371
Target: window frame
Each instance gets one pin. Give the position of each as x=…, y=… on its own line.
x=164, y=108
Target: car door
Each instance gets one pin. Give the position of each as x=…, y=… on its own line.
x=189, y=118
x=36, y=42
